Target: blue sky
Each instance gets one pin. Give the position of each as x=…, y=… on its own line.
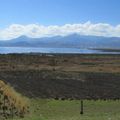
x=41, y=18
x=59, y=12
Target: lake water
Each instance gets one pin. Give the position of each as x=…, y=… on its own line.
x=6, y=50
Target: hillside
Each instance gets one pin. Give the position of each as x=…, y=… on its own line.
x=63, y=76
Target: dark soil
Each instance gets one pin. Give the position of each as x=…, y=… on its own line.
x=53, y=76
x=42, y=84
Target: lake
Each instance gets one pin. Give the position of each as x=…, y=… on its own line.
x=6, y=50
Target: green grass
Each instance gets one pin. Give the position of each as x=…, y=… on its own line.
x=45, y=109
x=88, y=63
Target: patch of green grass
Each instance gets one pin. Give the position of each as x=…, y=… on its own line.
x=88, y=63
x=48, y=109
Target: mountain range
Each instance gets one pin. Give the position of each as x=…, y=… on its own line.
x=70, y=41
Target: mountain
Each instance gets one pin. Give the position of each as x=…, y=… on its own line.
x=70, y=41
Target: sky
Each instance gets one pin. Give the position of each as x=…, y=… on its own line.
x=39, y=18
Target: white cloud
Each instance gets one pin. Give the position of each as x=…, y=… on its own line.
x=36, y=30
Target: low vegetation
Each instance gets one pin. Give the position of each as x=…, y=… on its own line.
x=49, y=109
x=12, y=104
x=56, y=83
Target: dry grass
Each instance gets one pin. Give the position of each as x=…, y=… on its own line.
x=78, y=63
x=12, y=103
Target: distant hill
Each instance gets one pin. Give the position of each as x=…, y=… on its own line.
x=70, y=41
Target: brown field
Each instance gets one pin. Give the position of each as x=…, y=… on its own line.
x=73, y=63
x=63, y=76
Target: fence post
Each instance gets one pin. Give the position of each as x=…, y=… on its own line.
x=81, y=108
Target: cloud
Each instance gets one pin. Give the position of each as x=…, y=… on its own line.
x=37, y=31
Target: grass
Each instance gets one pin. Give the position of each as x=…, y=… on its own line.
x=88, y=63
x=11, y=103
x=68, y=62
x=46, y=109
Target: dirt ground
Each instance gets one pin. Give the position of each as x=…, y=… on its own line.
x=63, y=76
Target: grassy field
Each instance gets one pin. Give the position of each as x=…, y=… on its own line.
x=46, y=109
x=65, y=77
x=70, y=62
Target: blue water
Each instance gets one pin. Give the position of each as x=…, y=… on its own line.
x=6, y=50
